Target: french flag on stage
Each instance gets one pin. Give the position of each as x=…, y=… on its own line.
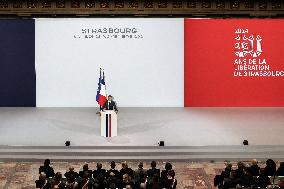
x=101, y=97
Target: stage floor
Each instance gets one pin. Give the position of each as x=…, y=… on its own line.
x=143, y=126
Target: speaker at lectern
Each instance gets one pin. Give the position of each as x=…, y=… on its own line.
x=108, y=123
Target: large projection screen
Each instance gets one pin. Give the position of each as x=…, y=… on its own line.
x=234, y=62
x=143, y=61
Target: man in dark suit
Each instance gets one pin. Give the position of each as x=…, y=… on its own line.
x=153, y=171
x=85, y=169
x=71, y=173
x=125, y=170
x=110, y=104
x=153, y=175
x=113, y=170
x=113, y=176
x=140, y=175
x=99, y=171
x=42, y=182
x=47, y=169
x=85, y=181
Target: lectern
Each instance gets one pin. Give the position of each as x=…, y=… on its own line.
x=108, y=123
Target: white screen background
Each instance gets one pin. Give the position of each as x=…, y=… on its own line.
x=145, y=72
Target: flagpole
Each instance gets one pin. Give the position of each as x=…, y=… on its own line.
x=99, y=112
x=101, y=108
x=105, y=81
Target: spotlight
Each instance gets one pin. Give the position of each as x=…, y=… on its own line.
x=67, y=143
x=161, y=143
x=245, y=142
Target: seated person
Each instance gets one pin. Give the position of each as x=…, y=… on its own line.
x=280, y=170
x=126, y=181
x=254, y=168
x=232, y=181
x=171, y=182
x=42, y=182
x=240, y=170
x=263, y=180
x=153, y=176
x=270, y=168
x=71, y=183
x=154, y=184
x=57, y=181
x=126, y=170
x=246, y=179
x=139, y=175
x=164, y=174
x=86, y=169
x=85, y=182
x=72, y=173
x=100, y=181
x=219, y=179
x=49, y=172
x=99, y=171
x=115, y=173
x=113, y=181
x=153, y=171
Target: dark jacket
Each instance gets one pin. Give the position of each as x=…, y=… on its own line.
x=171, y=184
x=127, y=170
x=165, y=180
x=47, y=170
x=44, y=184
x=116, y=173
x=153, y=171
x=110, y=106
x=140, y=176
x=71, y=174
x=81, y=173
x=280, y=171
x=246, y=180
x=263, y=181
x=85, y=183
x=97, y=172
x=254, y=170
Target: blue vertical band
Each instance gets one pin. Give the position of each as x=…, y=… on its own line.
x=17, y=64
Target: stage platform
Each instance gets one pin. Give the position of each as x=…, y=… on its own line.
x=212, y=131
x=141, y=153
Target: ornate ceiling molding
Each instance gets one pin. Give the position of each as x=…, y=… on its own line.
x=190, y=8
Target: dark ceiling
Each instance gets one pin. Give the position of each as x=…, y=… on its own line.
x=146, y=8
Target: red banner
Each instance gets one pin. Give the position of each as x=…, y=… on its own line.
x=234, y=62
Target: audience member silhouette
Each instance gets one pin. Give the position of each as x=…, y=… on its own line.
x=280, y=170
x=71, y=173
x=42, y=182
x=140, y=175
x=99, y=171
x=270, y=168
x=85, y=169
x=49, y=172
x=254, y=168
